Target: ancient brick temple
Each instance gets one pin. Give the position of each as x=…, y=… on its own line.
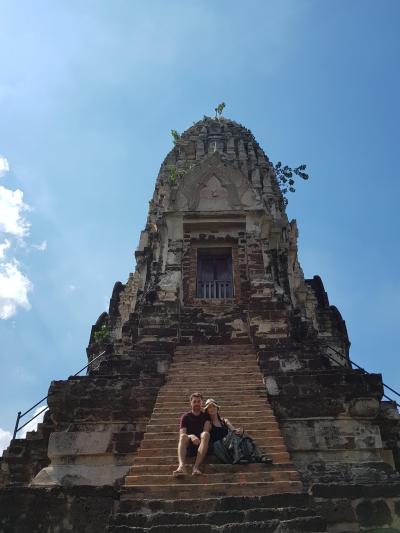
x=218, y=303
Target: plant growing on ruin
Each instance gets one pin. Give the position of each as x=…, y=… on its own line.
x=218, y=110
x=102, y=335
x=175, y=173
x=286, y=176
x=175, y=137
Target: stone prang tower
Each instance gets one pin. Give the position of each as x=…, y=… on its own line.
x=218, y=303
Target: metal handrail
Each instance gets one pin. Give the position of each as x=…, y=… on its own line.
x=17, y=427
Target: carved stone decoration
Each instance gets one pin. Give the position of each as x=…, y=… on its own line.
x=215, y=185
x=213, y=196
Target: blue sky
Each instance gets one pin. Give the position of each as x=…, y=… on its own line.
x=89, y=91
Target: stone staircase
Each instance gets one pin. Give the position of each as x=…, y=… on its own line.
x=230, y=498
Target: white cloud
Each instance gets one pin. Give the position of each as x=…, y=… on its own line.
x=14, y=230
x=40, y=247
x=14, y=289
x=12, y=207
x=5, y=437
x=4, y=166
x=4, y=246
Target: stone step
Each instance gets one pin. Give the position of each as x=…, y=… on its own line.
x=128, y=503
x=232, y=402
x=198, y=375
x=250, y=427
x=207, y=350
x=231, y=412
x=244, y=364
x=207, y=468
x=202, y=357
x=213, y=517
x=215, y=366
x=200, y=490
x=295, y=525
x=153, y=451
x=248, y=364
x=258, y=434
x=190, y=370
x=227, y=409
x=217, y=372
x=278, y=457
x=203, y=384
x=242, y=379
x=225, y=401
x=219, y=359
x=170, y=442
x=221, y=354
x=221, y=351
x=247, y=421
x=246, y=403
x=236, y=417
x=212, y=478
x=231, y=387
x=233, y=351
x=223, y=387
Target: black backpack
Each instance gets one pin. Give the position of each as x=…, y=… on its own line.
x=238, y=449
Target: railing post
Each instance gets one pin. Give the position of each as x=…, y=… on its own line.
x=16, y=424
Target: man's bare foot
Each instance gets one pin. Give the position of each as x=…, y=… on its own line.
x=180, y=471
x=196, y=471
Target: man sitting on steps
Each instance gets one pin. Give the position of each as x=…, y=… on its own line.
x=193, y=440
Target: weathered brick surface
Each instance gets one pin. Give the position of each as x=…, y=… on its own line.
x=78, y=509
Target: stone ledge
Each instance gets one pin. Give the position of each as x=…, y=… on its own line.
x=355, y=491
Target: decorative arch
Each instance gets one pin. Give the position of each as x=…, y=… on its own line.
x=215, y=185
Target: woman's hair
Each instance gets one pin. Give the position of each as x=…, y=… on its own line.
x=222, y=420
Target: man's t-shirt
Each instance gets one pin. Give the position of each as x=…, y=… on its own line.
x=194, y=424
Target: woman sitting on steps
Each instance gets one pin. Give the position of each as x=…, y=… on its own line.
x=231, y=445
x=217, y=427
